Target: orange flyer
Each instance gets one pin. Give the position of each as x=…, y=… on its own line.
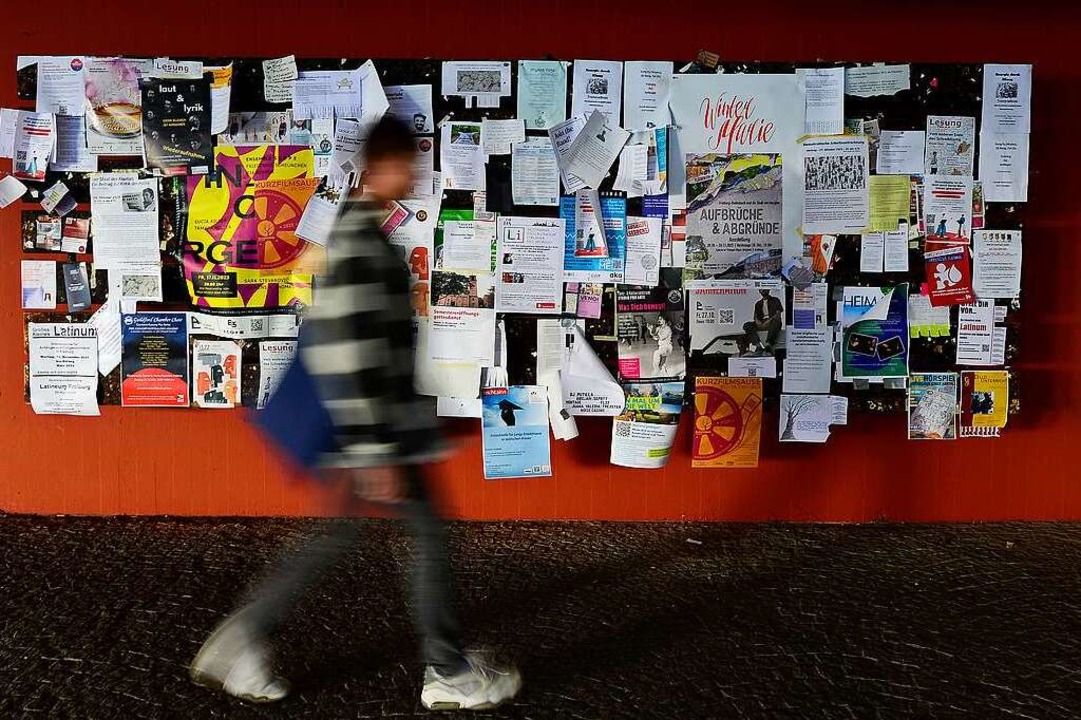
x=727, y=422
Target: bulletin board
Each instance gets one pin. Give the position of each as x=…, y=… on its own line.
x=936, y=89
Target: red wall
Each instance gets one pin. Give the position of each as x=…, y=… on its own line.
x=210, y=463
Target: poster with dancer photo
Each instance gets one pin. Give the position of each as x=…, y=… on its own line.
x=176, y=125
x=650, y=324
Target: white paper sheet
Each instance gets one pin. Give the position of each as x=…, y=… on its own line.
x=477, y=78
x=633, y=170
x=949, y=145
x=805, y=418
x=279, y=77
x=763, y=367
x=980, y=341
x=542, y=93
x=1007, y=99
x=60, y=86
x=563, y=136
x=872, y=249
x=63, y=368
x=457, y=407
x=895, y=251
x=534, y=173
x=1004, y=167
x=9, y=120
x=596, y=147
x=221, y=94
x=317, y=221
x=11, y=189
x=900, y=152
x=996, y=263
x=38, y=284
x=412, y=104
x=877, y=80
x=825, y=91
x=642, y=266
x=530, y=269
x=645, y=101
x=598, y=85
x=35, y=137
x=461, y=157
x=125, y=220
x=836, y=197
x=462, y=335
x=106, y=322
x=497, y=136
x=588, y=387
x=808, y=361
x=71, y=153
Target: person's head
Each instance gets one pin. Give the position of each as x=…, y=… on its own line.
x=662, y=320
x=764, y=293
x=388, y=173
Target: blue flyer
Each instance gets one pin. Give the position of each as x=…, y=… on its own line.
x=595, y=247
x=514, y=430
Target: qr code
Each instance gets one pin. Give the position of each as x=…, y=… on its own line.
x=726, y=316
x=623, y=430
x=257, y=325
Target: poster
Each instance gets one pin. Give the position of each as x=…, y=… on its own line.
x=996, y=263
x=732, y=114
x=534, y=173
x=947, y=208
x=542, y=93
x=734, y=216
x=727, y=422
x=176, y=125
x=461, y=157
x=38, y=284
x=736, y=317
x=652, y=334
x=514, y=432
x=125, y=222
x=63, y=367
x=806, y=418
x=874, y=323
x=985, y=402
x=241, y=250
x=594, y=248
x=950, y=145
x=949, y=276
x=644, y=235
x=836, y=196
x=60, y=85
x=412, y=105
x=643, y=434
x=932, y=406
x=35, y=136
x=981, y=339
x=215, y=373
x=114, y=110
x=1007, y=99
x=275, y=357
x=530, y=274
x=154, y=360
x=598, y=86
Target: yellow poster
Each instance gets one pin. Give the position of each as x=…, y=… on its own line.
x=727, y=422
x=890, y=196
x=241, y=249
x=985, y=402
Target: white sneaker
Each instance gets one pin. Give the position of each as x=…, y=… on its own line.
x=236, y=662
x=482, y=687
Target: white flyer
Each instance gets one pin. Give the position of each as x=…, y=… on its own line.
x=461, y=157
x=325, y=94
x=597, y=86
x=809, y=357
x=458, y=407
x=317, y=220
x=221, y=93
x=477, y=78
x=463, y=248
x=9, y=120
x=642, y=266
x=534, y=173
x=462, y=335
x=530, y=254
x=563, y=136
x=809, y=306
x=836, y=181
x=71, y=153
x=947, y=207
x=805, y=418
x=434, y=378
x=825, y=91
x=872, y=249
x=35, y=137
x=125, y=220
x=877, y=80
x=980, y=341
x=736, y=317
x=596, y=147
x=895, y=251
x=1007, y=99
x=38, y=284
x=11, y=189
x=645, y=101
x=900, y=152
x=106, y=321
x=412, y=104
x=542, y=93
x=588, y=387
x=63, y=368
x=60, y=87
x=644, y=432
x=1004, y=167
x=763, y=367
x=996, y=263
x=275, y=357
x=633, y=170
x=950, y=145
x=279, y=76
x=497, y=136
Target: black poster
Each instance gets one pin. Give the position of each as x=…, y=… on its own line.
x=176, y=125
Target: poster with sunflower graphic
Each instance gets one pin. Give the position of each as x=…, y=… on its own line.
x=241, y=250
x=727, y=422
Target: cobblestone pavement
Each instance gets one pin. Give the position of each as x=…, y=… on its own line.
x=98, y=619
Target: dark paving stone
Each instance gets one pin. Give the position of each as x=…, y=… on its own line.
x=99, y=618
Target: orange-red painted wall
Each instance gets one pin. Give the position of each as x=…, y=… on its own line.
x=210, y=463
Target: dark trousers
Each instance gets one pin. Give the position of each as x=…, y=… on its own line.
x=432, y=585
x=772, y=328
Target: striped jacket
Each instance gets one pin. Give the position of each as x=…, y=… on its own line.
x=357, y=344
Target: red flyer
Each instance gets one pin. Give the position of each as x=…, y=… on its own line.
x=949, y=276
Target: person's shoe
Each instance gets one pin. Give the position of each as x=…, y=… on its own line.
x=482, y=686
x=237, y=662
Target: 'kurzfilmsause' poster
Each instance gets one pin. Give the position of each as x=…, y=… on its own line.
x=242, y=251
x=875, y=326
x=652, y=333
x=154, y=363
x=176, y=125
x=734, y=217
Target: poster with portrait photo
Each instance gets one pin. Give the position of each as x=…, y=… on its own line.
x=176, y=125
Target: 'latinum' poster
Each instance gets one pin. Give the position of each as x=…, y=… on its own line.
x=734, y=216
x=176, y=125
x=242, y=250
